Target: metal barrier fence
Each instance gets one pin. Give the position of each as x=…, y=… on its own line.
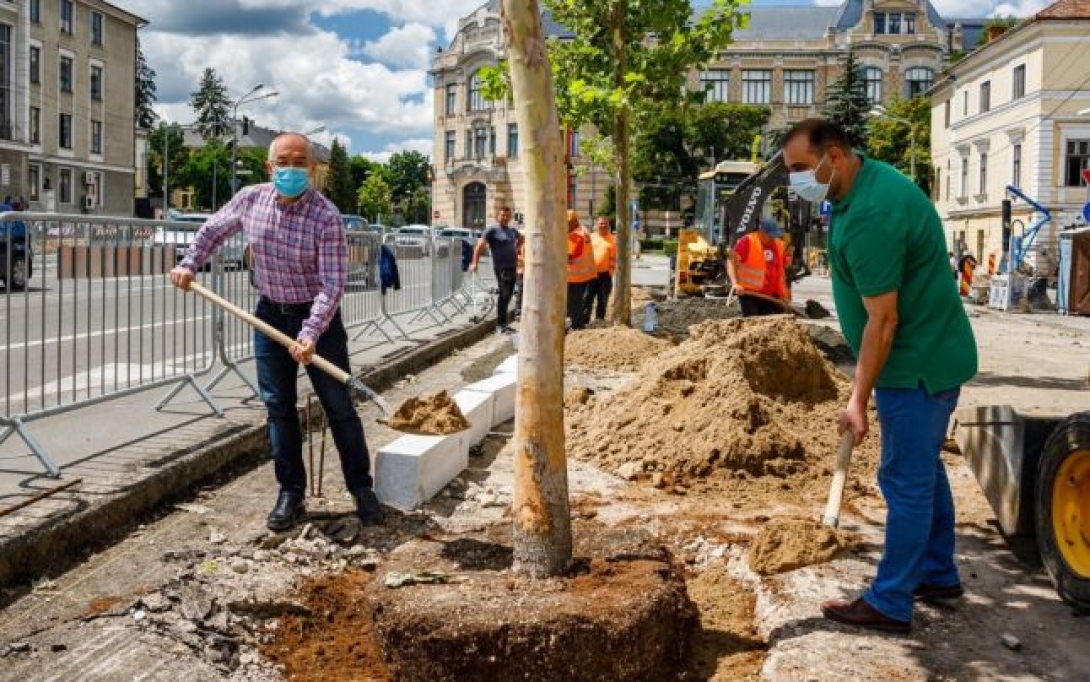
x=89, y=315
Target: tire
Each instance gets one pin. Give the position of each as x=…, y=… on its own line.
x=19, y=274
x=1061, y=509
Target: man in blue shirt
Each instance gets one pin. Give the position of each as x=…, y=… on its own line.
x=502, y=240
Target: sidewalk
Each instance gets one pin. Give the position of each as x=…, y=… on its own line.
x=125, y=458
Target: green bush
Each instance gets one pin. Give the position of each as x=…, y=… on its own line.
x=658, y=245
x=669, y=247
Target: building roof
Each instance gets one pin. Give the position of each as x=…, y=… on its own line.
x=1066, y=9
x=778, y=23
x=972, y=31
x=850, y=13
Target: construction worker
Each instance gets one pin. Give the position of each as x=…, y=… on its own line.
x=756, y=267
x=604, y=245
x=914, y=347
x=581, y=269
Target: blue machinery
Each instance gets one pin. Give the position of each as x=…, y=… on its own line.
x=1019, y=246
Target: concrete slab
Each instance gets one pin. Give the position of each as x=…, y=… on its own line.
x=502, y=388
x=477, y=408
x=412, y=469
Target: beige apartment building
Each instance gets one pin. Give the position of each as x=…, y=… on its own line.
x=785, y=60
x=67, y=105
x=1009, y=115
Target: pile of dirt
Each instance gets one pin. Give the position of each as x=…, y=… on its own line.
x=786, y=544
x=748, y=405
x=435, y=415
x=611, y=348
x=675, y=316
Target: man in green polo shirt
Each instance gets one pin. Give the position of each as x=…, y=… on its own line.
x=914, y=347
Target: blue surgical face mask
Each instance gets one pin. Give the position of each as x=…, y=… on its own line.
x=806, y=185
x=290, y=182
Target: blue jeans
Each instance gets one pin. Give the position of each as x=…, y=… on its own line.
x=276, y=378
x=920, y=521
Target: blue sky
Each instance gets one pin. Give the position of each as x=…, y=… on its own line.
x=356, y=67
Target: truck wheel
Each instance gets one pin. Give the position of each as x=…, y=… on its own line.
x=1062, y=509
x=18, y=275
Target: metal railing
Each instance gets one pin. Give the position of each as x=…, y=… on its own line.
x=88, y=313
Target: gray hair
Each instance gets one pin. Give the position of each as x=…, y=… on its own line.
x=272, y=145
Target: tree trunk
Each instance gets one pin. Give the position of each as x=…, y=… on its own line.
x=542, y=533
x=622, y=284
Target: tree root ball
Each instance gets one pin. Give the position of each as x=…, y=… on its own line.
x=609, y=620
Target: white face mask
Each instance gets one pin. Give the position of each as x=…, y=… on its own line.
x=806, y=185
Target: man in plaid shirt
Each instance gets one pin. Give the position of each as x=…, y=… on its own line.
x=300, y=265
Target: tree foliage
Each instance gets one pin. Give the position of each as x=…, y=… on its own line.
x=362, y=168
x=145, y=91
x=847, y=104
x=406, y=171
x=338, y=186
x=374, y=198
x=207, y=167
x=889, y=139
x=166, y=139
x=719, y=131
x=211, y=105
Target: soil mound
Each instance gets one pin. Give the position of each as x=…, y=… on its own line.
x=613, y=348
x=786, y=544
x=675, y=316
x=742, y=398
x=435, y=415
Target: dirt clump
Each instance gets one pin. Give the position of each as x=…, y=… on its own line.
x=611, y=348
x=435, y=415
x=786, y=544
x=727, y=646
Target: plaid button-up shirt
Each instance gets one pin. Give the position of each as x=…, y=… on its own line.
x=300, y=252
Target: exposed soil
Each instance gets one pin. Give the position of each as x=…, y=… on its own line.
x=675, y=316
x=727, y=646
x=431, y=415
x=611, y=348
x=747, y=406
x=786, y=544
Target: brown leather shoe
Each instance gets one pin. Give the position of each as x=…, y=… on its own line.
x=861, y=614
x=927, y=592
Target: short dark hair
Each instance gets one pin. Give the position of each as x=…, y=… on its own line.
x=505, y=208
x=820, y=134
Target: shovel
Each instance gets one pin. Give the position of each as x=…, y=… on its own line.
x=286, y=341
x=840, y=477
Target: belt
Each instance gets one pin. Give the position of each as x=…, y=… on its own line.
x=287, y=309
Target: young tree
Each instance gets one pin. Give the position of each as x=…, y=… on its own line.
x=339, y=187
x=847, y=103
x=211, y=104
x=627, y=58
x=374, y=198
x=165, y=139
x=145, y=91
x=889, y=137
x=542, y=529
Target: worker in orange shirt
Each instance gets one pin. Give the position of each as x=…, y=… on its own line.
x=581, y=269
x=604, y=245
x=756, y=268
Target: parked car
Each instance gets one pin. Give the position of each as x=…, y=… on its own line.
x=234, y=252
x=413, y=235
x=17, y=268
x=456, y=233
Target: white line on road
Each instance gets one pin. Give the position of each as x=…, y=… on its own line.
x=104, y=332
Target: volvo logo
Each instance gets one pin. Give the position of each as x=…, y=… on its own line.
x=754, y=201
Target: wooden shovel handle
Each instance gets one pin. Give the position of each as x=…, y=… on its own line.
x=840, y=477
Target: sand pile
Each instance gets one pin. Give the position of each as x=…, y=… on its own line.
x=431, y=415
x=786, y=544
x=746, y=404
x=614, y=348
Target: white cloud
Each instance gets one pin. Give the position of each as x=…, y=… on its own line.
x=828, y=3
x=956, y=9
x=1019, y=8
x=406, y=46
x=422, y=145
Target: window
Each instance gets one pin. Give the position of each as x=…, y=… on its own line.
x=65, y=189
x=452, y=98
x=34, y=181
x=66, y=74
x=1016, y=166
x=893, y=23
x=477, y=102
x=512, y=140
x=5, y=82
x=918, y=80
x=96, y=83
x=879, y=23
x=1018, y=88
x=574, y=144
x=964, y=177
x=946, y=114
x=756, y=86
x=983, y=173
x=448, y=146
x=492, y=141
x=480, y=142
x=985, y=96
x=36, y=11
x=910, y=24
x=467, y=153
x=872, y=78
x=67, y=10
x=716, y=85
x=96, y=28
x=965, y=103
x=798, y=87
x=96, y=137
x=66, y=131
x=35, y=64
x=35, y=125
x=1077, y=159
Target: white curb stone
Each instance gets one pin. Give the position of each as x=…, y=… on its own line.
x=412, y=469
x=477, y=408
x=502, y=388
x=509, y=366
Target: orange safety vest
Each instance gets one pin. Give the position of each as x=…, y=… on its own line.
x=753, y=272
x=605, y=252
x=581, y=266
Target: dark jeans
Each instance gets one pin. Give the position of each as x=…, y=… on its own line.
x=576, y=294
x=518, y=295
x=276, y=377
x=755, y=307
x=598, y=291
x=505, y=280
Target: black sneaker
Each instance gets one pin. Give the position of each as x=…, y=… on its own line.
x=368, y=508
x=508, y=329
x=290, y=507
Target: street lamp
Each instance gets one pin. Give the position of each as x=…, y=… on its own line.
x=319, y=129
x=879, y=110
x=245, y=99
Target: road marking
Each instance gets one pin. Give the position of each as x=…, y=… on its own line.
x=104, y=332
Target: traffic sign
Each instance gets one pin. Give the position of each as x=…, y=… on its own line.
x=435, y=214
x=1086, y=212
x=1086, y=175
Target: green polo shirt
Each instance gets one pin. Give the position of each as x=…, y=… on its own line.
x=886, y=236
